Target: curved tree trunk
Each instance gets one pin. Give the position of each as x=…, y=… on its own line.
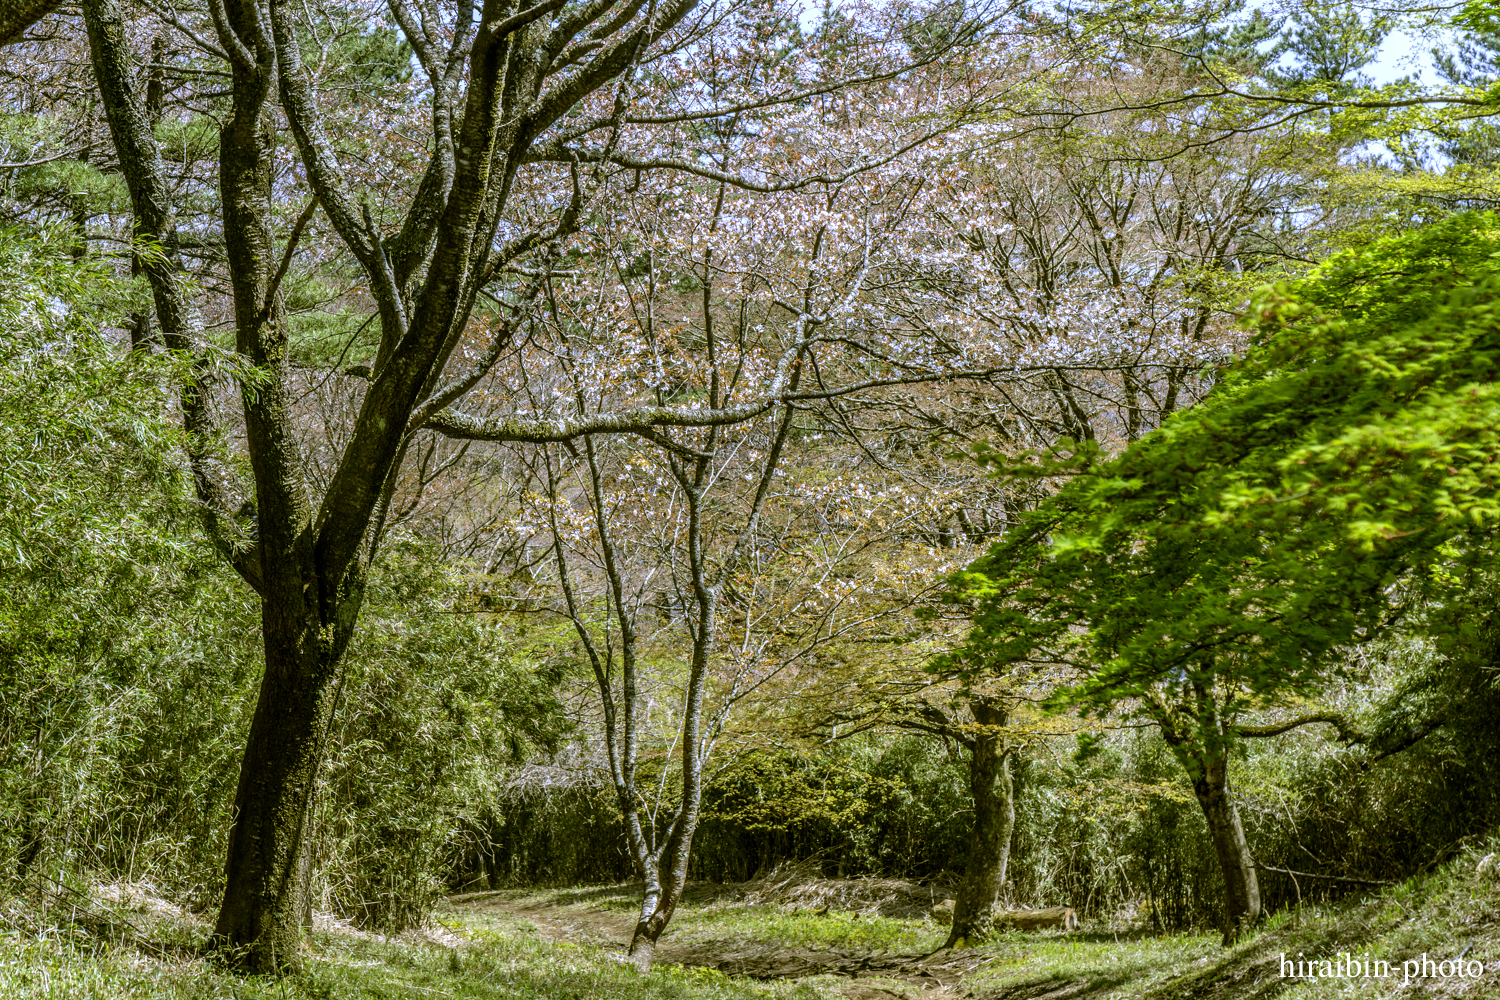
x=259, y=925
x=978, y=903
x=1241, y=887
x=663, y=892
x=1200, y=739
x=664, y=885
x=657, y=908
x=662, y=896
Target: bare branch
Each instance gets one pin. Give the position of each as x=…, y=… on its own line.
x=519, y=20
x=554, y=153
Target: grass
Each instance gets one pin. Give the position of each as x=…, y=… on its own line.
x=725, y=930
x=768, y=924
x=486, y=950
x=501, y=958
x=1450, y=912
x=1131, y=964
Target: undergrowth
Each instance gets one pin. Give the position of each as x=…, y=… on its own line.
x=124, y=945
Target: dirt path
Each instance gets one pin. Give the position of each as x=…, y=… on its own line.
x=554, y=923
x=937, y=976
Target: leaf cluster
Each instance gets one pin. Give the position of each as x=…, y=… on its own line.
x=1342, y=471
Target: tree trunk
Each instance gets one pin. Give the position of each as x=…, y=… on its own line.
x=977, y=906
x=659, y=905
x=655, y=911
x=1241, y=887
x=1201, y=741
x=675, y=852
x=663, y=894
x=1063, y=918
x=307, y=615
x=177, y=315
x=260, y=923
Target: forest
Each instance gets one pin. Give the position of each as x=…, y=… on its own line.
x=742, y=498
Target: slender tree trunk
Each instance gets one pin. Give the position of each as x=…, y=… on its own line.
x=662, y=898
x=1241, y=887
x=679, y=843
x=978, y=901
x=673, y=865
x=1201, y=740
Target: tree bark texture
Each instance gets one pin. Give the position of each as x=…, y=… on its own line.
x=1241, y=887
x=1200, y=740
x=976, y=908
x=663, y=891
x=668, y=876
x=259, y=925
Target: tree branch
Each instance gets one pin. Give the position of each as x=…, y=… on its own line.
x=519, y=20
x=1347, y=732
x=556, y=153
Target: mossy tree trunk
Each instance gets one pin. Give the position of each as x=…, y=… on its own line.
x=978, y=900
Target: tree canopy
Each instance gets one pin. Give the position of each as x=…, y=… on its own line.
x=584, y=389
x=1343, y=466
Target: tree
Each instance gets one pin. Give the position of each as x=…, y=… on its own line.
x=686, y=538
x=1340, y=473
x=544, y=100
x=533, y=113
x=1107, y=283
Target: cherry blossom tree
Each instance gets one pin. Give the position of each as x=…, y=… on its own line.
x=531, y=113
x=1099, y=291
x=553, y=228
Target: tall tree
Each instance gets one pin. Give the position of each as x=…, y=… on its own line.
x=1339, y=474
x=521, y=98
x=689, y=537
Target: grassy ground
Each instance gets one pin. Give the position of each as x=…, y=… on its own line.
x=724, y=945
x=497, y=958
x=853, y=954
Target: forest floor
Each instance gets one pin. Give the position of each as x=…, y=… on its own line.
x=792, y=938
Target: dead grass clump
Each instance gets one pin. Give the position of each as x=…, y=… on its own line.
x=801, y=885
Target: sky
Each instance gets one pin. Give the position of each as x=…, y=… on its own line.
x=1403, y=55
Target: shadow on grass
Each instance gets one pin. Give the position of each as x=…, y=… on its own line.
x=1116, y=937
x=1057, y=989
